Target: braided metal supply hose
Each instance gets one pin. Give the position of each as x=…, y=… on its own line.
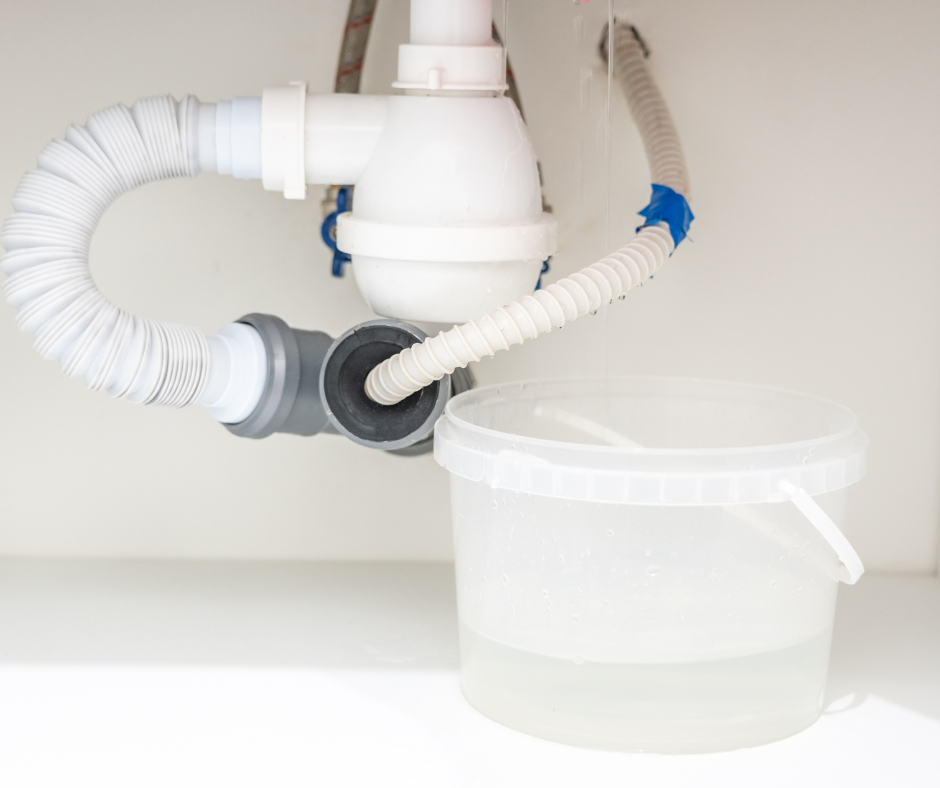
x=47, y=238
x=352, y=51
x=572, y=297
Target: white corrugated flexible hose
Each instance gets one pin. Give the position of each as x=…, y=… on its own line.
x=574, y=296
x=57, y=207
x=47, y=238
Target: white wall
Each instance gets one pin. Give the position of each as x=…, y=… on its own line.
x=810, y=129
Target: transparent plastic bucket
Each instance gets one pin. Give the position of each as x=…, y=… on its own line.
x=646, y=563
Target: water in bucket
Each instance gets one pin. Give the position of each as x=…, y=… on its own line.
x=640, y=564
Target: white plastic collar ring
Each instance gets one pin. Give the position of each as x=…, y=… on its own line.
x=283, y=113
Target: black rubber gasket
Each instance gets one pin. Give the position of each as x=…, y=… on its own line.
x=344, y=380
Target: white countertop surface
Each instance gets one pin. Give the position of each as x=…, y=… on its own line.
x=134, y=674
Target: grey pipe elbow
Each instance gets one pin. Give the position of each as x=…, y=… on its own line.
x=290, y=402
x=315, y=384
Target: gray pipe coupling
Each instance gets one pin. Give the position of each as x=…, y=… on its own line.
x=317, y=385
x=291, y=398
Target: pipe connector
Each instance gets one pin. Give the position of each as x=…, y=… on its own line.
x=290, y=401
x=406, y=427
x=451, y=49
x=313, y=384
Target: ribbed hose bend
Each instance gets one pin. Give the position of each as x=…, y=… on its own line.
x=47, y=238
x=576, y=295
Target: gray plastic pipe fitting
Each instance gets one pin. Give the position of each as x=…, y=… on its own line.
x=315, y=384
x=291, y=398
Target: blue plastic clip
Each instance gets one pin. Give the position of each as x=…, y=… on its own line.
x=670, y=207
x=538, y=285
x=328, y=230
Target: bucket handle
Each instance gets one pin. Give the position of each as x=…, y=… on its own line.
x=850, y=565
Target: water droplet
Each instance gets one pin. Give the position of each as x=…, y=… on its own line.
x=495, y=504
x=575, y=617
x=561, y=559
x=586, y=74
x=799, y=591
x=714, y=574
x=812, y=451
x=578, y=660
x=648, y=551
x=545, y=592
x=505, y=578
x=682, y=617
x=610, y=531
x=652, y=571
x=489, y=289
x=773, y=584
x=606, y=602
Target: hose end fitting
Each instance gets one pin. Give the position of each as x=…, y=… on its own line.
x=406, y=427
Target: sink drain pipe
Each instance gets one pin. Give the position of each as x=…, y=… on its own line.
x=257, y=375
x=668, y=218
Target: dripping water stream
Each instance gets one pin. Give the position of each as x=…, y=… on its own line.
x=505, y=36
x=605, y=347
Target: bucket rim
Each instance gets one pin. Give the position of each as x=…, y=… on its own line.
x=647, y=450
x=647, y=475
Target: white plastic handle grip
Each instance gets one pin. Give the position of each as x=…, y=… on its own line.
x=851, y=568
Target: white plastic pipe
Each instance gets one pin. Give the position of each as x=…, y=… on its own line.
x=341, y=133
x=574, y=296
x=452, y=22
x=238, y=368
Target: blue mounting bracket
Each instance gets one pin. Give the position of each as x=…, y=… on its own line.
x=328, y=229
